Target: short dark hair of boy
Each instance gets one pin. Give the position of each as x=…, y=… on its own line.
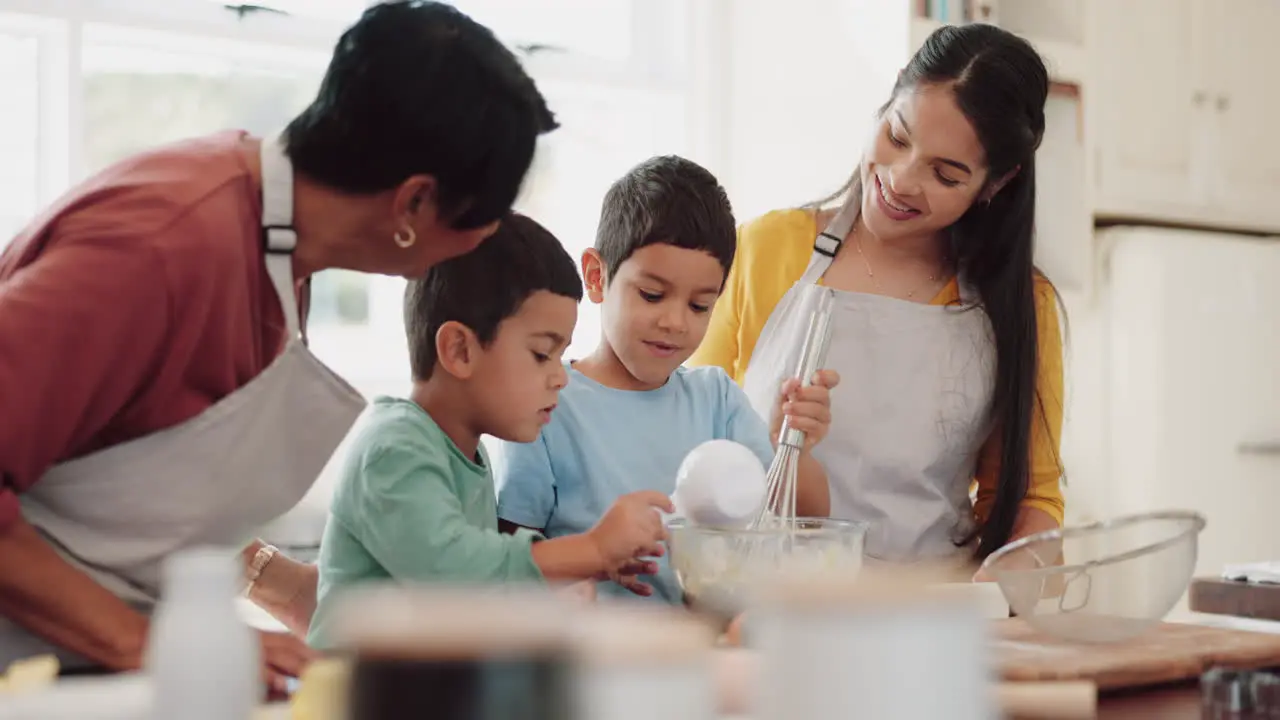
x=667, y=200
x=419, y=88
x=486, y=286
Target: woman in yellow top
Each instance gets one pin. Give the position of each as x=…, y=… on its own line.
x=945, y=335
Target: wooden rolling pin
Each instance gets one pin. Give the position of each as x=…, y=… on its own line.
x=1074, y=700
x=736, y=671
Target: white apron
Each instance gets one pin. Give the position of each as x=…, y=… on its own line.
x=212, y=480
x=909, y=415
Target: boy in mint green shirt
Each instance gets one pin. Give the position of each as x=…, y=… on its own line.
x=415, y=500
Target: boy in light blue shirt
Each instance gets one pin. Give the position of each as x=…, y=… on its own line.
x=630, y=412
x=415, y=502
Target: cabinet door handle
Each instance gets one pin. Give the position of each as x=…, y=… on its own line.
x=1222, y=103
x=1268, y=447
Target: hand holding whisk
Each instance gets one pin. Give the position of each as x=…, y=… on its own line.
x=780, y=491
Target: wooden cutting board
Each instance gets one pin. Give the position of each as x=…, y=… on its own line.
x=1169, y=652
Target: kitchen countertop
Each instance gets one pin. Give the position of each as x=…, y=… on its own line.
x=1179, y=702
x=1174, y=702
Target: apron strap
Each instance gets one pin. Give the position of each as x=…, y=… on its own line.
x=828, y=242
x=278, y=236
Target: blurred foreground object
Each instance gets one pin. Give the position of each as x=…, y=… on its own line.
x=203, y=660
x=641, y=663
x=835, y=646
x=1227, y=694
x=29, y=675
x=322, y=691
x=457, y=653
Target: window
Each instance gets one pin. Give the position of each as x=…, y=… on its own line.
x=342, y=10
x=19, y=123
x=602, y=133
x=591, y=28
x=143, y=88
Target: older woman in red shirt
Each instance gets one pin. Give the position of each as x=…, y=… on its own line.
x=157, y=393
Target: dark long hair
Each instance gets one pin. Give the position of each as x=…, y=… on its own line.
x=1001, y=85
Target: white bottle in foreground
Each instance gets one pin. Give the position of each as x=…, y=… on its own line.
x=643, y=663
x=887, y=645
x=202, y=657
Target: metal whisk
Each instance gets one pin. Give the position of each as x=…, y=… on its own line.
x=779, y=508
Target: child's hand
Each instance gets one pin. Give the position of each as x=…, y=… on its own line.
x=809, y=408
x=634, y=584
x=631, y=529
x=733, y=634
x=627, y=576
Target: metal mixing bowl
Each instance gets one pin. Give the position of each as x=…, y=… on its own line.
x=1102, y=582
x=716, y=567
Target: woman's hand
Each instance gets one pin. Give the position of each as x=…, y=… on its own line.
x=41, y=592
x=287, y=590
x=807, y=408
x=1031, y=521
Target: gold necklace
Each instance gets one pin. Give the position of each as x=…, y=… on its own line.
x=933, y=278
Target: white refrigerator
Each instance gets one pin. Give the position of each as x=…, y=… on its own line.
x=1190, y=384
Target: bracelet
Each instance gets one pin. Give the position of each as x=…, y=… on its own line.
x=259, y=561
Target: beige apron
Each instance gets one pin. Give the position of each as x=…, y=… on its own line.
x=910, y=412
x=215, y=479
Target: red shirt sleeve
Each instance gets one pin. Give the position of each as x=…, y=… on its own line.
x=82, y=327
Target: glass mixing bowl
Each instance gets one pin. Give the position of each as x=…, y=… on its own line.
x=716, y=567
x=1102, y=582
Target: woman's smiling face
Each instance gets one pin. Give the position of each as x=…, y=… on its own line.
x=924, y=166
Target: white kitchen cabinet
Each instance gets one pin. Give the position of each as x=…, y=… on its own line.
x=1246, y=108
x=1064, y=224
x=1182, y=114
x=1143, y=98
x=1193, y=388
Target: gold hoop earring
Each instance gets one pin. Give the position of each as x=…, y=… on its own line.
x=406, y=238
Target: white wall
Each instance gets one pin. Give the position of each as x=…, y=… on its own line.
x=1085, y=445
x=799, y=85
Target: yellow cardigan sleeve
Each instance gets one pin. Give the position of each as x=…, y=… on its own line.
x=1043, y=486
x=719, y=346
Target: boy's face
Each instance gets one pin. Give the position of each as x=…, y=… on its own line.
x=518, y=378
x=655, y=309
